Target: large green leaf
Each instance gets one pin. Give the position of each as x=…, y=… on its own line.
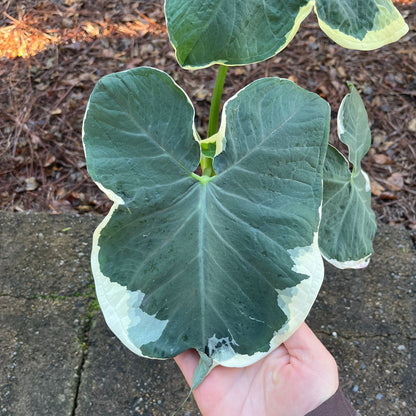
x=229, y=265
x=348, y=223
x=232, y=32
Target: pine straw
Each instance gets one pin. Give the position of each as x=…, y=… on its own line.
x=54, y=53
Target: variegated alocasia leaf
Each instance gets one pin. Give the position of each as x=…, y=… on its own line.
x=360, y=24
x=230, y=264
x=348, y=223
x=233, y=32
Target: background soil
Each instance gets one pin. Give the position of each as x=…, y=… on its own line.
x=53, y=53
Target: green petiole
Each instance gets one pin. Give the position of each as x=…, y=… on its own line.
x=214, y=114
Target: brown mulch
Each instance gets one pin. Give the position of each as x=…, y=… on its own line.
x=53, y=53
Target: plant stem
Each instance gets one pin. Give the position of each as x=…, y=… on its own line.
x=206, y=166
x=214, y=114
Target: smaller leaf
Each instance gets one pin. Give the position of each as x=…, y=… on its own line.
x=205, y=365
x=209, y=148
x=215, y=144
x=353, y=129
x=348, y=224
x=362, y=24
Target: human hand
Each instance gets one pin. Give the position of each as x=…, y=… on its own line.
x=292, y=380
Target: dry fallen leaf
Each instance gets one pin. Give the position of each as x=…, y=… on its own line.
x=376, y=188
x=395, y=182
x=341, y=72
x=59, y=206
x=378, y=140
x=382, y=159
x=388, y=196
x=49, y=160
x=31, y=184
x=202, y=94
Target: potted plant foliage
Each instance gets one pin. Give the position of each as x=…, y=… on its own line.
x=229, y=261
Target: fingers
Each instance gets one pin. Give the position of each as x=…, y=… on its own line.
x=307, y=350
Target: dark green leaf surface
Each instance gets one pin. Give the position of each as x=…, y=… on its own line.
x=229, y=265
x=141, y=123
x=232, y=32
x=353, y=18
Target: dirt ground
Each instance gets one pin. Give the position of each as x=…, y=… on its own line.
x=53, y=53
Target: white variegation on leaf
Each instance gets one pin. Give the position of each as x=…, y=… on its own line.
x=229, y=265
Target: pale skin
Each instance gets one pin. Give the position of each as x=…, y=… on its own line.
x=291, y=381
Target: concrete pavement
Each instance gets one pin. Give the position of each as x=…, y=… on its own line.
x=57, y=356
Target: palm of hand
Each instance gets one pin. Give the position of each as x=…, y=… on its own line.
x=291, y=381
